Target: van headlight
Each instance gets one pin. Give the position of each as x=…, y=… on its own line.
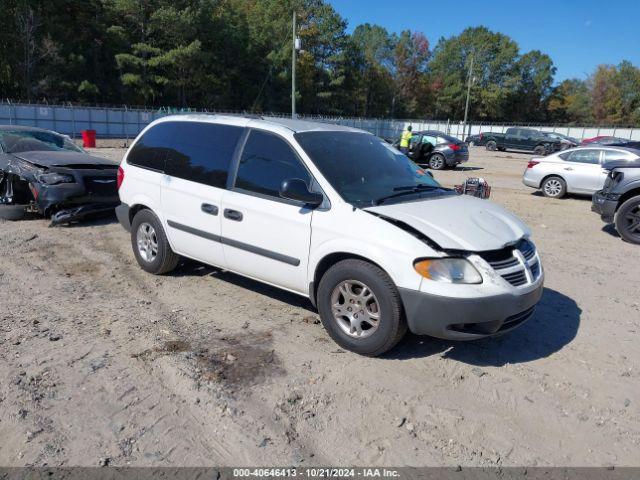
x=448, y=270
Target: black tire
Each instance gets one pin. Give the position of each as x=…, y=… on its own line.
x=627, y=220
x=491, y=145
x=502, y=149
x=165, y=260
x=392, y=325
x=540, y=150
x=554, y=187
x=437, y=162
x=13, y=212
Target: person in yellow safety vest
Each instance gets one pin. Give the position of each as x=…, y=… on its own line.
x=405, y=140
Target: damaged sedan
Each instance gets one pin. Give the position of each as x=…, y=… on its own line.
x=43, y=172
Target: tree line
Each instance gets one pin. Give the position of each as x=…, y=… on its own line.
x=236, y=55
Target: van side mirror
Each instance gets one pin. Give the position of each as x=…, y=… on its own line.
x=296, y=189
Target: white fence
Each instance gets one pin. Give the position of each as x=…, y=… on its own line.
x=127, y=123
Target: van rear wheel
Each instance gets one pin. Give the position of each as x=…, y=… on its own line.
x=150, y=245
x=360, y=307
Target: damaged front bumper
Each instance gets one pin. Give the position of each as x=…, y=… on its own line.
x=88, y=191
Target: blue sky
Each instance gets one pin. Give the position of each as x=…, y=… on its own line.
x=577, y=34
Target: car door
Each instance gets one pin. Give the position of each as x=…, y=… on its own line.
x=582, y=170
x=266, y=236
x=196, y=174
x=512, y=138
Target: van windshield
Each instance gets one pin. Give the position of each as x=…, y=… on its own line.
x=364, y=170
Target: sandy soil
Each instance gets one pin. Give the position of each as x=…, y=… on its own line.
x=103, y=364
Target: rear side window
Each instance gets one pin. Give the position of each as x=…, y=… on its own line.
x=617, y=155
x=150, y=151
x=584, y=156
x=202, y=152
x=266, y=161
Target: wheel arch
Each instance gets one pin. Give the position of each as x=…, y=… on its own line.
x=327, y=262
x=634, y=192
x=553, y=175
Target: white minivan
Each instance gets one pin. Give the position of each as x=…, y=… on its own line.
x=331, y=213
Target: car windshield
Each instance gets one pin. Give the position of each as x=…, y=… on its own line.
x=366, y=171
x=15, y=141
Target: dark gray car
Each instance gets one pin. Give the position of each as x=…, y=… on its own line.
x=619, y=200
x=44, y=172
x=437, y=150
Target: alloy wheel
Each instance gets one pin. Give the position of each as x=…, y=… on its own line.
x=355, y=309
x=147, y=242
x=553, y=187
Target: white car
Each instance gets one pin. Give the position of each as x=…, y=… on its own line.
x=576, y=170
x=333, y=214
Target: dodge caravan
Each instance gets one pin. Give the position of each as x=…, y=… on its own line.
x=331, y=213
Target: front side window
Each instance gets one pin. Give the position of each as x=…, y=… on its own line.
x=584, y=156
x=617, y=155
x=202, y=152
x=364, y=170
x=267, y=160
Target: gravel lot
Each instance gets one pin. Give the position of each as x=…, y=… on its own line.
x=103, y=364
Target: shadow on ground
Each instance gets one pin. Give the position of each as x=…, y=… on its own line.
x=191, y=268
x=553, y=326
x=611, y=230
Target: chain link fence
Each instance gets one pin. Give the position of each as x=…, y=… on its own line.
x=125, y=122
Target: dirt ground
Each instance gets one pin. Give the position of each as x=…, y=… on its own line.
x=103, y=364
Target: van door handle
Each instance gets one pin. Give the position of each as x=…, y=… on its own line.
x=208, y=208
x=234, y=215
x=568, y=168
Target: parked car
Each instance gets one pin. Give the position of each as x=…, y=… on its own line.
x=619, y=200
x=603, y=140
x=475, y=140
x=46, y=173
x=333, y=214
x=628, y=144
x=577, y=170
x=565, y=141
x=524, y=139
x=437, y=150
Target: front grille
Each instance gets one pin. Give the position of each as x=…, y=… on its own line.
x=101, y=186
x=519, y=265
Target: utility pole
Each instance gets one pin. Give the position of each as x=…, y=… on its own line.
x=466, y=108
x=293, y=69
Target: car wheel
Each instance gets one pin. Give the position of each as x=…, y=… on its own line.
x=437, y=162
x=491, y=146
x=13, y=212
x=360, y=307
x=554, y=187
x=540, y=150
x=150, y=245
x=627, y=220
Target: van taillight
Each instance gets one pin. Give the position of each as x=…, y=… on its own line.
x=120, y=177
x=532, y=163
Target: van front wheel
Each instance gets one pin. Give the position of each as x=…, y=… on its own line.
x=360, y=307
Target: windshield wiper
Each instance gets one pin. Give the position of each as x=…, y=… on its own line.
x=406, y=190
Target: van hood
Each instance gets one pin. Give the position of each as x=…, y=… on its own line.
x=459, y=222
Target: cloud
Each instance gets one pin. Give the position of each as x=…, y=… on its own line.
x=588, y=23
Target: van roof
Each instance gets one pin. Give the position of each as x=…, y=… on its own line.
x=294, y=125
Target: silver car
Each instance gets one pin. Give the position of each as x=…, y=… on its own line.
x=576, y=170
